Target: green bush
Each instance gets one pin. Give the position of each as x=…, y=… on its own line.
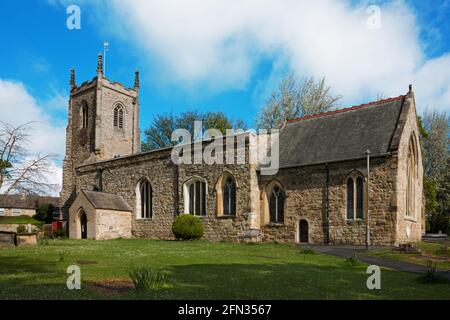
x=147, y=278
x=45, y=213
x=427, y=226
x=443, y=250
x=60, y=234
x=21, y=229
x=353, y=261
x=188, y=227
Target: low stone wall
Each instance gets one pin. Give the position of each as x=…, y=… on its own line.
x=13, y=227
x=27, y=239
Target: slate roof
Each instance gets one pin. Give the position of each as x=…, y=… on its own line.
x=26, y=202
x=106, y=201
x=340, y=135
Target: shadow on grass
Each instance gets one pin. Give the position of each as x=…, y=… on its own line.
x=31, y=278
x=283, y=281
x=18, y=265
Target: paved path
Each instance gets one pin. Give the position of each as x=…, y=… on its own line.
x=348, y=251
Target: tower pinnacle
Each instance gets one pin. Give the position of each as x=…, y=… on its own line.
x=136, y=80
x=73, y=83
x=100, y=64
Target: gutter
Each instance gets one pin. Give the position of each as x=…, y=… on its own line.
x=363, y=157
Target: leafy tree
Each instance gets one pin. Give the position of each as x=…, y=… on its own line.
x=296, y=98
x=159, y=134
x=45, y=213
x=434, y=128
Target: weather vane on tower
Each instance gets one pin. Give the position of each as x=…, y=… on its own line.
x=105, y=49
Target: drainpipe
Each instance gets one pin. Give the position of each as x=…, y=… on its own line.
x=100, y=179
x=327, y=208
x=176, y=189
x=367, y=201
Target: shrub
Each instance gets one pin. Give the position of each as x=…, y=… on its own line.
x=443, y=250
x=353, y=260
x=427, y=226
x=21, y=229
x=431, y=276
x=307, y=250
x=45, y=213
x=188, y=227
x=60, y=234
x=147, y=278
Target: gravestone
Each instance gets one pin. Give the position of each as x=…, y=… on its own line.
x=7, y=238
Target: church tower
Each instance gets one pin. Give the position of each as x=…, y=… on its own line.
x=103, y=124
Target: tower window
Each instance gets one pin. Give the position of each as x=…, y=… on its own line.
x=85, y=114
x=118, y=117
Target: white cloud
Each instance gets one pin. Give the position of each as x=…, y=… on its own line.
x=47, y=136
x=217, y=45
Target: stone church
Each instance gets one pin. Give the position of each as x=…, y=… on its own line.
x=320, y=194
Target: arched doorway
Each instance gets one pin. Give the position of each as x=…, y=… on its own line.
x=83, y=225
x=303, y=231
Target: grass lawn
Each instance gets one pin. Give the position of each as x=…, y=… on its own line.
x=197, y=270
x=437, y=252
x=20, y=220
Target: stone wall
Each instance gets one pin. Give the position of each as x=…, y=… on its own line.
x=13, y=227
x=121, y=177
x=80, y=142
x=115, y=141
x=111, y=224
x=306, y=196
x=409, y=228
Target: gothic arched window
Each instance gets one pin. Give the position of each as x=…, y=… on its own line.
x=359, y=198
x=355, y=198
x=350, y=199
x=276, y=204
x=229, y=197
x=411, y=167
x=195, y=197
x=118, y=117
x=144, y=200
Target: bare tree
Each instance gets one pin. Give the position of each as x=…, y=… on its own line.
x=21, y=171
x=296, y=98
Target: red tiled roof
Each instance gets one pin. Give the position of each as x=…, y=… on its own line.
x=323, y=114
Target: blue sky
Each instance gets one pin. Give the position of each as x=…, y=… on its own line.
x=218, y=55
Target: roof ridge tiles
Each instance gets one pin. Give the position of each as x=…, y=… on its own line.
x=357, y=107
